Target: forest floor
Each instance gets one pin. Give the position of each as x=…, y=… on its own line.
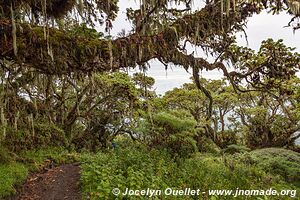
x=58, y=183
x=57, y=174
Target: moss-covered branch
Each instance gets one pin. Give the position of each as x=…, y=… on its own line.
x=65, y=51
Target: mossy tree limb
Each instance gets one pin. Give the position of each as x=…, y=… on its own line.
x=75, y=52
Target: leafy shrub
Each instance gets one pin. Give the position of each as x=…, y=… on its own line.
x=123, y=141
x=227, y=137
x=133, y=167
x=44, y=135
x=136, y=167
x=17, y=140
x=172, y=130
x=38, y=158
x=49, y=135
x=205, y=144
x=231, y=149
x=5, y=156
x=279, y=161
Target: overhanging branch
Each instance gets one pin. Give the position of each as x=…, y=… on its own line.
x=66, y=52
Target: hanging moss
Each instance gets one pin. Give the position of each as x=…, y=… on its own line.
x=83, y=50
x=14, y=31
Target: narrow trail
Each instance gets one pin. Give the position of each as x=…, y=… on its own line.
x=59, y=183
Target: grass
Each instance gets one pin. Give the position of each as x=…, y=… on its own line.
x=14, y=172
x=37, y=159
x=10, y=175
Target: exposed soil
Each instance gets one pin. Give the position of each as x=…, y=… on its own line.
x=59, y=183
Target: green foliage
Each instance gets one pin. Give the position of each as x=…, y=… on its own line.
x=120, y=81
x=135, y=167
x=172, y=130
x=268, y=62
x=227, y=137
x=107, y=110
x=174, y=121
x=131, y=166
x=143, y=81
x=233, y=148
x=10, y=175
x=83, y=31
x=123, y=141
x=44, y=135
x=189, y=98
x=277, y=161
x=266, y=120
x=49, y=135
x=16, y=140
x=206, y=145
x=36, y=159
x=5, y=155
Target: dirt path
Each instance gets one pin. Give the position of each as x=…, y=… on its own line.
x=59, y=183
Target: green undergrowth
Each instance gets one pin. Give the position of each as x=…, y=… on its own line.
x=136, y=167
x=14, y=167
x=37, y=159
x=276, y=161
x=11, y=174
